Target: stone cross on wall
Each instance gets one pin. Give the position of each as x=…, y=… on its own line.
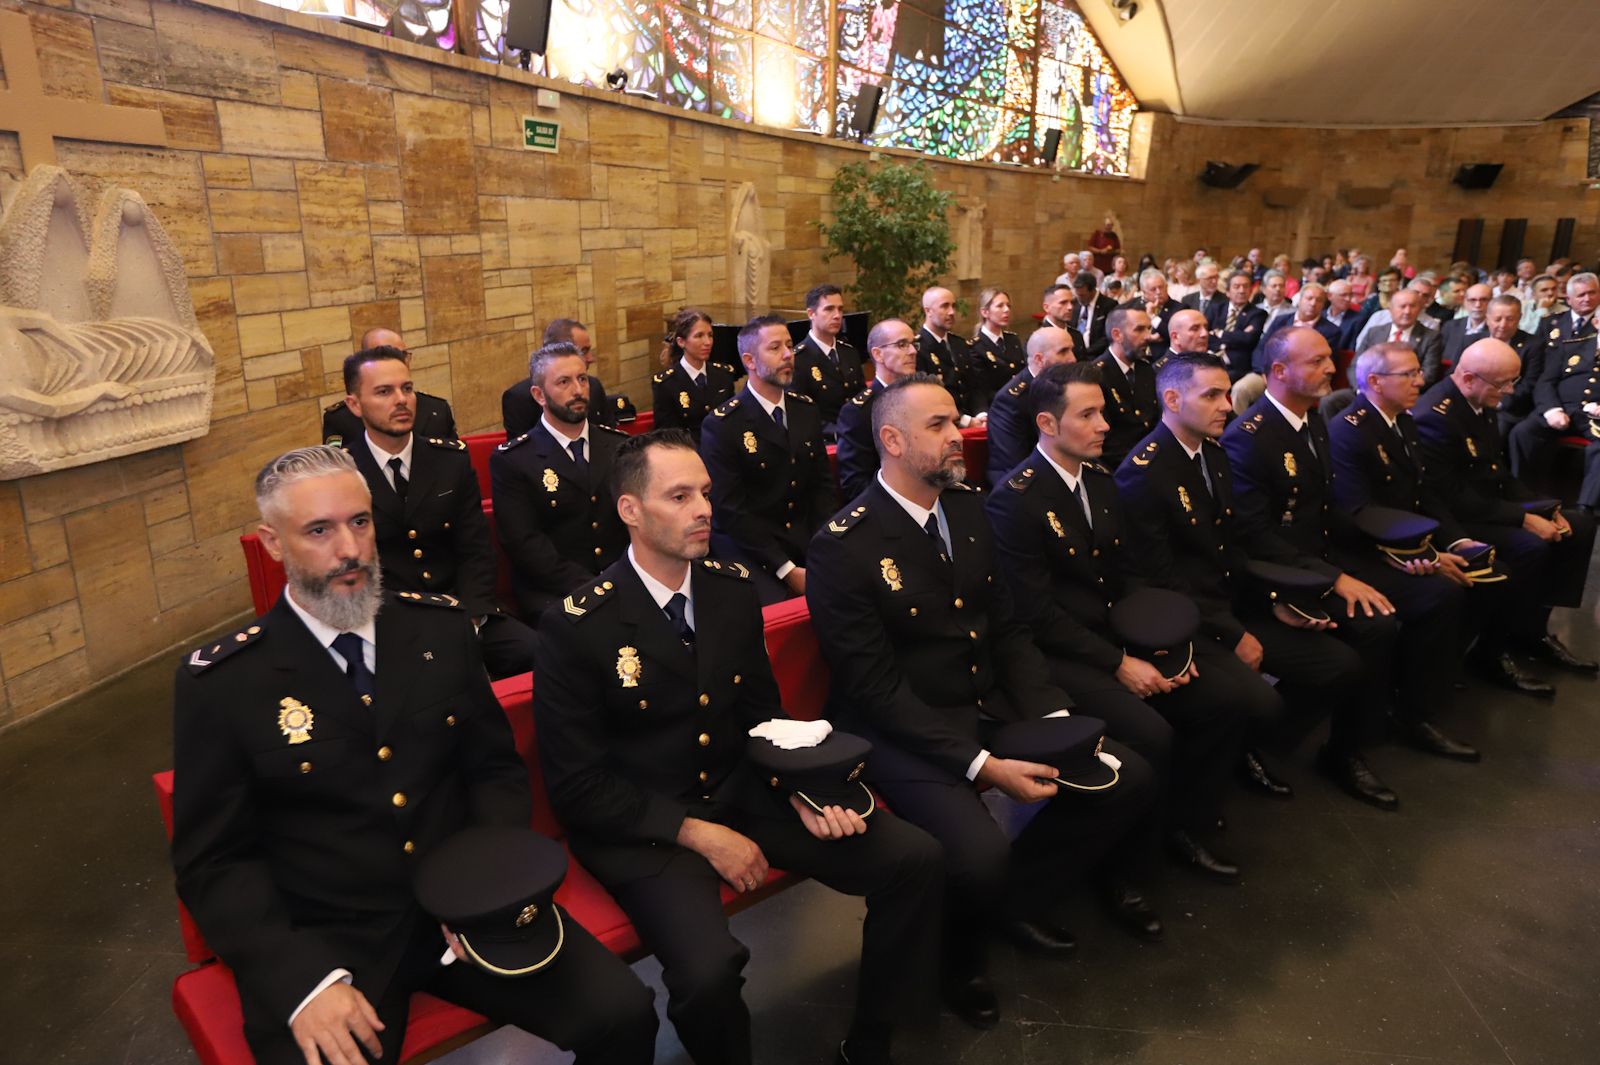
x=38, y=118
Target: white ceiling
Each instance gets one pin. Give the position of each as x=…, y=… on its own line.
x=1356, y=62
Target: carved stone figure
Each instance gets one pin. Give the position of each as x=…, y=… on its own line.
x=749, y=252
x=100, y=352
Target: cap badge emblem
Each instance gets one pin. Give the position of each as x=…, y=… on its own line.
x=525, y=918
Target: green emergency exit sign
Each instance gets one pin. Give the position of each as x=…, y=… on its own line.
x=539, y=135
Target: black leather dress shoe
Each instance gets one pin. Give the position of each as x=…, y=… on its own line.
x=1350, y=772
x=1129, y=909
x=1551, y=650
x=1426, y=737
x=852, y=1052
x=1186, y=850
x=972, y=999
x=1502, y=672
x=1041, y=938
x=1254, y=775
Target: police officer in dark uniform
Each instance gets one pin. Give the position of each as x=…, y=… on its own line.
x=927, y=660
x=1566, y=396
x=691, y=386
x=552, y=501
x=519, y=412
x=1236, y=324
x=1058, y=527
x=432, y=535
x=1546, y=551
x=1377, y=459
x=432, y=416
x=1154, y=301
x=321, y=752
x=1177, y=488
x=826, y=367
x=1129, y=383
x=771, y=482
x=941, y=352
x=649, y=681
x=1010, y=429
x=996, y=354
x=893, y=348
x=1282, y=475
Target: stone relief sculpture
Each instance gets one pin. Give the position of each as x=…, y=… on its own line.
x=969, y=241
x=749, y=252
x=100, y=353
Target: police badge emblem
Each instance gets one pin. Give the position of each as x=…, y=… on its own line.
x=816, y=373
x=1289, y=465
x=1183, y=497
x=628, y=666
x=683, y=400
x=551, y=481
x=750, y=441
x=891, y=574
x=295, y=719
x=1055, y=524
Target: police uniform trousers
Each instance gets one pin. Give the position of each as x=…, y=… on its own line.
x=1191, y=736
x=990, y=879
x=678, y=913
x=1530, y=443
x=1543, y=575
x=1341, y=675
x=587, y=1001
x=508, y=646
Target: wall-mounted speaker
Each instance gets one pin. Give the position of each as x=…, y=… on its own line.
x=1511, y=238
x=528, y=26
x=864, y=112
x=1478, y=175
x=1224, y=176
x=1052, y=147
x=1561, y=245
x=1469, y=240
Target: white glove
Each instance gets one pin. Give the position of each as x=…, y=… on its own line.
x=792, y=735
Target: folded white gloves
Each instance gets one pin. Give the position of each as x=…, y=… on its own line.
x=792, y=735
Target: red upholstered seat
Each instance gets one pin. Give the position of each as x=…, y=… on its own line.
x=479, y=447
x=1574, y=440
x=640, y=425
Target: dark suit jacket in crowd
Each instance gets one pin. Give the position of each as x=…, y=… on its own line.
x=1238, y=344
x=1465, y=455
x=1374, y=464
x=1160, y=318
x=1095, y=341
x=1427, y=343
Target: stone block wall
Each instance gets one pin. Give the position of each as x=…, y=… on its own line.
x=321, y=180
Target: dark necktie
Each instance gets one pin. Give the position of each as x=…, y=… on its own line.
x=1205, y=475
x=1304, y=432
x=700, y=381
x=677, y=611
x=777, y=416
x=400, y=482
x=932, y=528
x=348, y=645
x=833, y=357
x=1083, y=508
x=578, y=458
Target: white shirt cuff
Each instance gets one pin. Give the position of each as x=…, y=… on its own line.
x=784, y=570
x=977, y=764
x=337, y=976
x=1063, y=712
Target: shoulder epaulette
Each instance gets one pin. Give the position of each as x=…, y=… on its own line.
x=513, y=442
x=1095, y=467
x=580, y=603
x=801, y=396
x=846, y=520
x=1145, y=454
x=727, y=408
x=660, y=377
x=448, y=443
x=1022, y=481
x=607, y=428
x=203, y=658
x=1018, y=388
x=1007, y=333
x=1252, y=423
x=1355, y=416
x=334, y=440
x=860, y=398
x=727, y=569
x=429, y=599
x=841, y=342
x=963, y=486
x=335, y=405
x=1443, y=406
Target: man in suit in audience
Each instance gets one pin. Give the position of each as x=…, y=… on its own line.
x=1058, y=306
x=1566, y=396
x=1154, y=301
x=1089, y=313
x=1547, y=551
x=648, y=683
x=1236, y=325
x=893, y=347
x=557, y=521
x=295, y=846
x=826, y=367
x=1313, y=298
x=519, y=412
x=941, y=351
x=1341, y=315
x=1011, y=416
x=431, y=533
x=1128, y=380
x=771, y=482
x=1404, y=328
x=1058, y=527
x=1457, y=333
x=432, y=414
x=1207, y=277
x=927, y=661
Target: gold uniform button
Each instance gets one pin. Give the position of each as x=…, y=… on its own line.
x=447, y=525
x=974, y=670
x=305, y=767
x=913, y=611
x=399, y=800
x=959, y=604
x=738, y=679
x=705, y=700
x=450, y=719
x=705, y=739
x=427, y=576
x=597, y=552
x=972, y=634
x=594, y=525
x=704, y=776
x=417, y=553
x=411, y=534
x=644, y=704
x=410, y=847
x=384, y=754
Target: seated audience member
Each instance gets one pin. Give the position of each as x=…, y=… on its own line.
x=552, y=502
x=426, y=509
x=1307, y=312
x=1058, y=528
x=1236, y=325
x=1341, y=315
x=942, y=352
x=1457, y=333
x=1546, y=551
x=928, y=661
x=1128, y=380
x=893, y=348
x=1010, y=420
x=1566, y=398
x=519, y=412
x=1189, y=337
x=1182, y=523
x=1377, y=460
x=771, y=482
x=1071, y=267
x=1501, y=322
x=666, y=806
x=1059, y=309
x=1181, y=282
x=1087, y=316
x=1361, y=279
x=1544, y=302
x=1273, y=299
x=1153, y=300
x=295, y=853
x=691, y=386
x=996, y=354
x=1206, y=275
x=432, y=414
x=826, y=367
x=1404, y=328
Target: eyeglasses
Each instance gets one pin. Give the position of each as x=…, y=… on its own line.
x=909, y=342
x=1417, y=373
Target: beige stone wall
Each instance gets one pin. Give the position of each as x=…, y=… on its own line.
x=320, y=181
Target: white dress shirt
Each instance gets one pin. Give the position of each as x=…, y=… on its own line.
x=661, y=593
x=382, y=457
x=564, y=440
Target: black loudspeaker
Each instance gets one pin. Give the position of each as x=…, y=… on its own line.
x=1052, y=147
x=1469, y=239
x=528, y=26
x=1511, y=238
x=1561, y=244
x=1223, y=176
x=864, y=113
x=1478, y=175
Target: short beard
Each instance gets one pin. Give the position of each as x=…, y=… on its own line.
x=942, y=476
x=565, y=414
x=338, y=610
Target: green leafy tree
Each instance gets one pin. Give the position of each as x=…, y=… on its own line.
x=890, y=220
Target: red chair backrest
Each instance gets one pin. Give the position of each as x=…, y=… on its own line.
x=645, y=422
x=266, y=573
x=479, y=447
x=194, y=944
x=797, y=663
x=975, y=442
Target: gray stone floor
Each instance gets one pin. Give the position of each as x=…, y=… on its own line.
x=1464, y=929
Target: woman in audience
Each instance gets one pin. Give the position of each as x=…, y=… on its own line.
x=1180, y=280
x=1360, y=279
x=1119, y=274
x=689, y=385
x=996, y=356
